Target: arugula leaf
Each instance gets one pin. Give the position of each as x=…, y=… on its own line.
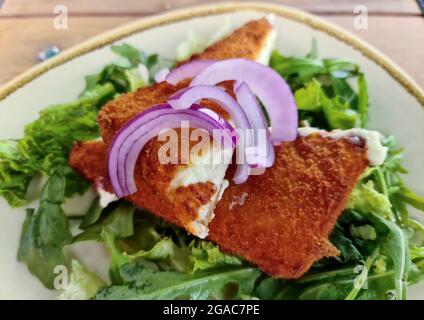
x=395, y=246
x=146, y=283
x=410, y=197
x=362, y=100
x=362, y=278
x=270, y=288
x=348, y=251
x=45, y=232
x=296, y=70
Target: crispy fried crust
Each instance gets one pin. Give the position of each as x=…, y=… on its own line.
x=182, y=204
x=117, y=112
x=179, y=206
x=280, y=220
x=246, y=42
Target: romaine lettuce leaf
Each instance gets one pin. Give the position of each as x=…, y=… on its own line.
x=48, y=140
x=47, y=143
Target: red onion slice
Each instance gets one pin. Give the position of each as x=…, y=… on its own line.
x=187, y=71
x=250, y=105
x=222, y=122
x=131, y=139
x=267, y=84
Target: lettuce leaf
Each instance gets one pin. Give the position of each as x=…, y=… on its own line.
x=205, y=255
x=47, y=143
x=338, y=114
x=159, y=250
x=48, y=140
x=45, y=232
x=365, y=198
x=323, y=90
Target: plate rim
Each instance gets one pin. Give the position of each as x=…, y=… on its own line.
x=146, y=23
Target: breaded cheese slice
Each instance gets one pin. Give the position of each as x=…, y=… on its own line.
x=280, y=220
x=183, y=194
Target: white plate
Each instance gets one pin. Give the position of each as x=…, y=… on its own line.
x=397, y=102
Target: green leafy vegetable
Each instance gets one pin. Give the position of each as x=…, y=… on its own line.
x=133, y=55
x=322, y=90
x=146, y=283
x=45, y=232
x=152, y=245
x=92, y=215
x=48, y=140
x=365, y=198
x=143, y=238
x=47, y=143
x=395, y=246
x=206, y=255
x=362, y=278
x=381, y=247
x=347, y=248
x=366, y=232
x=411, y=198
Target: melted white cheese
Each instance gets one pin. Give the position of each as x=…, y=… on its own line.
x=209, y=167
x=106, y=197
x=268, y=45
x=376, y=152
x=224, y=185
x=206, y=212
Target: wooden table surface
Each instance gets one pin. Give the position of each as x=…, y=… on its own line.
x=26, y=26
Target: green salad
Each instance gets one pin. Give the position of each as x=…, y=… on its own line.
x=381, y=245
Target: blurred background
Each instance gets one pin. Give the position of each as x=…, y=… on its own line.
x=27, y=34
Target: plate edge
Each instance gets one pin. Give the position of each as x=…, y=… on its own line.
x=108, y=37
